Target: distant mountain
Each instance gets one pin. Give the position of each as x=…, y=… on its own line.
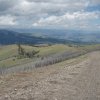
x=40, y=36
x=69, y=35
x=12, y=37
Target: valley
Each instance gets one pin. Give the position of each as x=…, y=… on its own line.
x=49, y=49
x=48, y=70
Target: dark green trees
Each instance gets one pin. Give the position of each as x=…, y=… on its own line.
x=23, y=53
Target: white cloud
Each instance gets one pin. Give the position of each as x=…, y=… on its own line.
x=7, y=20
x=66, y=19
x=70, y=13
x=20, y=7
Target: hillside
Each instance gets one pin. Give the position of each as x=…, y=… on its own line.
x=11, y=61
x=76, y=36
x=9, y=53
x=12, y=37
x=75, y=79
x=46, y=36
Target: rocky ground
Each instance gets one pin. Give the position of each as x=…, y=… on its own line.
x=76, y=79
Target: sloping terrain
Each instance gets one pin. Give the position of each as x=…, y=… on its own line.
x=48, y=36
x=75, y=79
x=48, y=55
x=77, y=36
x=9, y=53
x=12, y=37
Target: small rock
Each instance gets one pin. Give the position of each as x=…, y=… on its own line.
x=15, y=89
x=30, y=90
x=6, y=96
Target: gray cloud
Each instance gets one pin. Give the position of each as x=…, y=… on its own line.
x=95, y=2
x=7, y=4
x=48, y=12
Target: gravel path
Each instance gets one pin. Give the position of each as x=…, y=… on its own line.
x=80, y=81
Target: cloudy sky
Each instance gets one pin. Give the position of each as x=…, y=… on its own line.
x=67, y=14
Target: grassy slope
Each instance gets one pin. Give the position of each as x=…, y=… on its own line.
x=55, y=49
x=11, y=50
x=8, y=53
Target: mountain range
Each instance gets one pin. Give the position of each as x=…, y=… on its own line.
x=40, y=36
x=69, y=35
x=12, y=37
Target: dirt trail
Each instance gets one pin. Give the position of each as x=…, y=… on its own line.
x=80, y=81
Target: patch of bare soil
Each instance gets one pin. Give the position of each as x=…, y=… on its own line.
x=74, y=81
